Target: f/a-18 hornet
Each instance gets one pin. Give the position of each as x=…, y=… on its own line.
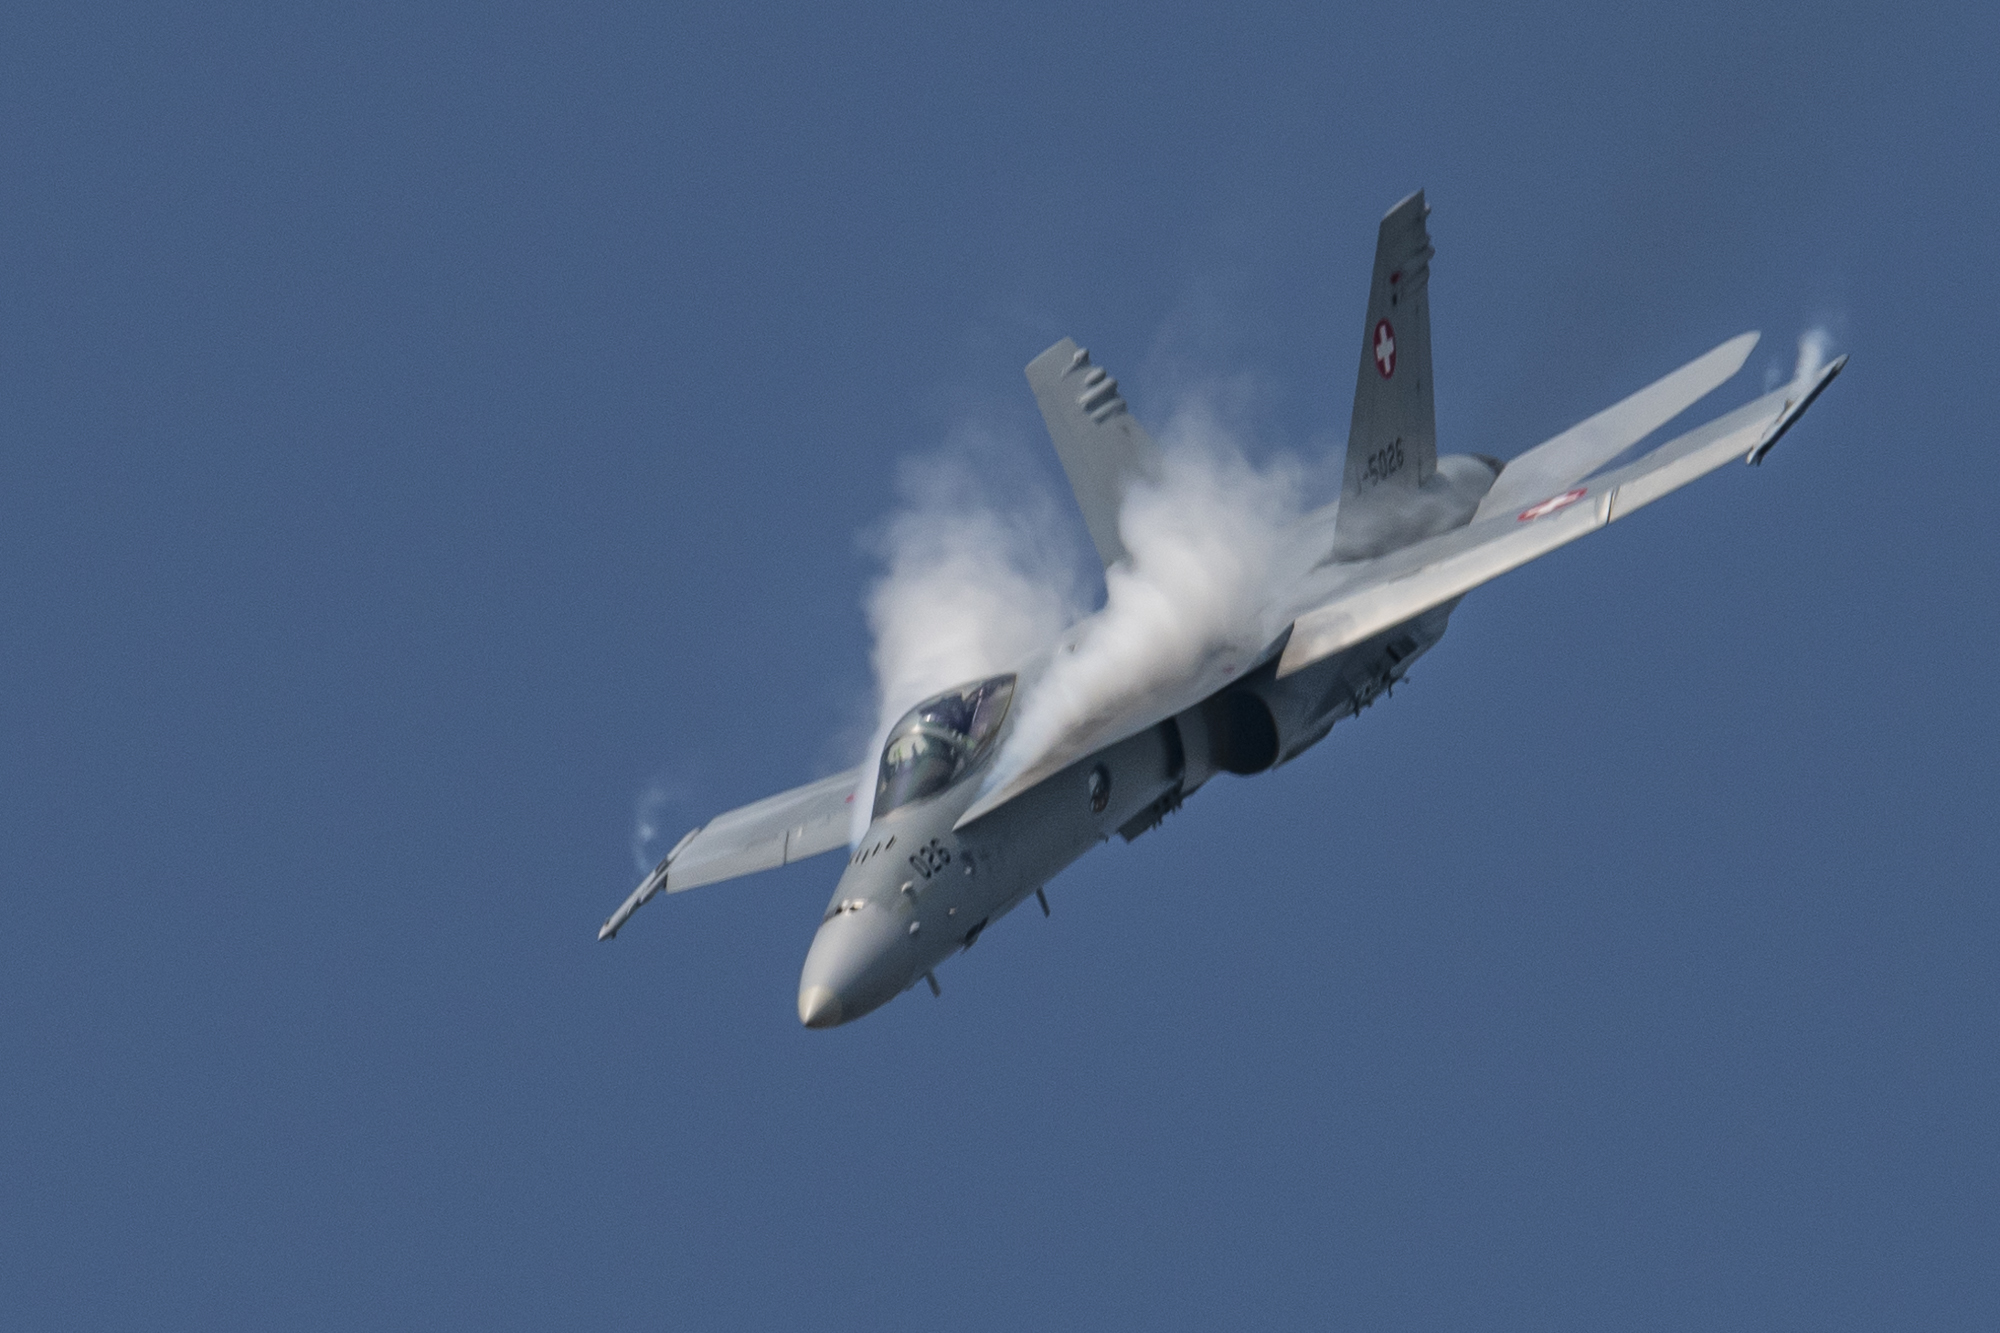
x=965, y=824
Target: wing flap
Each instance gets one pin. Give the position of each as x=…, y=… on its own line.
x=770, y=833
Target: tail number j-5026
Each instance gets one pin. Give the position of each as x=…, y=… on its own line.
x=1385, y=462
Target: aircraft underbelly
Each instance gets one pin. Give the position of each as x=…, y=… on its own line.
x=1038, y=833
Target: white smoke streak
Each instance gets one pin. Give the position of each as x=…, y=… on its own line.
x=1813, y=345
x=649, y=821
x=970, y=590
x=967, y=590
x=1204, y=542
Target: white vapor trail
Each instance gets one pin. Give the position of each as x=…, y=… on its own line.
x=967, y=590
x=1204, y=543
x=1813, y=344
x=649, y=820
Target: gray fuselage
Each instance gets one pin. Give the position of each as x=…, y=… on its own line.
x=916, y=889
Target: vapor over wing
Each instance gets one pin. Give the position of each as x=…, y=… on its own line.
x=1127, y=716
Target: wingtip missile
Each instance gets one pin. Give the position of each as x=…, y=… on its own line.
x=1794, y=410
x=652, y=884
x=637, y=899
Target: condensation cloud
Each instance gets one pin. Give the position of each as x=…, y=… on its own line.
x=969, y=588
x=653, y=825
x=1204, y=544
x=1814, y=344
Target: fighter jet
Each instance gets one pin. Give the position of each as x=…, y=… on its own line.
x=969, y=815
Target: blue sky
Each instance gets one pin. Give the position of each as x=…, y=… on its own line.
x=425, y=429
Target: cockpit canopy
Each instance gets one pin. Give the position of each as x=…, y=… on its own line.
x=939, y=741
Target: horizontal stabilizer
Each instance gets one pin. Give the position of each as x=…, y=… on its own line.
x=775, y=831
x=1394, y=588
x=1587, y=446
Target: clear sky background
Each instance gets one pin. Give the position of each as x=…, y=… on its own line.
x=426, y=430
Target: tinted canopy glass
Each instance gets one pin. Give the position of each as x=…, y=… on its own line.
x=939, y=741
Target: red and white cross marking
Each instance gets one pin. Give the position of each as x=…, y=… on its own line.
x=1553, y=503
x=1385, y=348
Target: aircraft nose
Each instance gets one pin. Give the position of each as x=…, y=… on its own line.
x=819, y=1007
x=857, y=963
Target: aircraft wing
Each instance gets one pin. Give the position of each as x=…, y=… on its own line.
x=1390, y=590
x=775, y=831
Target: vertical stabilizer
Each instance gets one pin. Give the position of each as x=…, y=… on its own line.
x=1392, y=441
x=1103, y=450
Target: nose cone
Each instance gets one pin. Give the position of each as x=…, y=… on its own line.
x=859, y=961
x=819, y=1007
